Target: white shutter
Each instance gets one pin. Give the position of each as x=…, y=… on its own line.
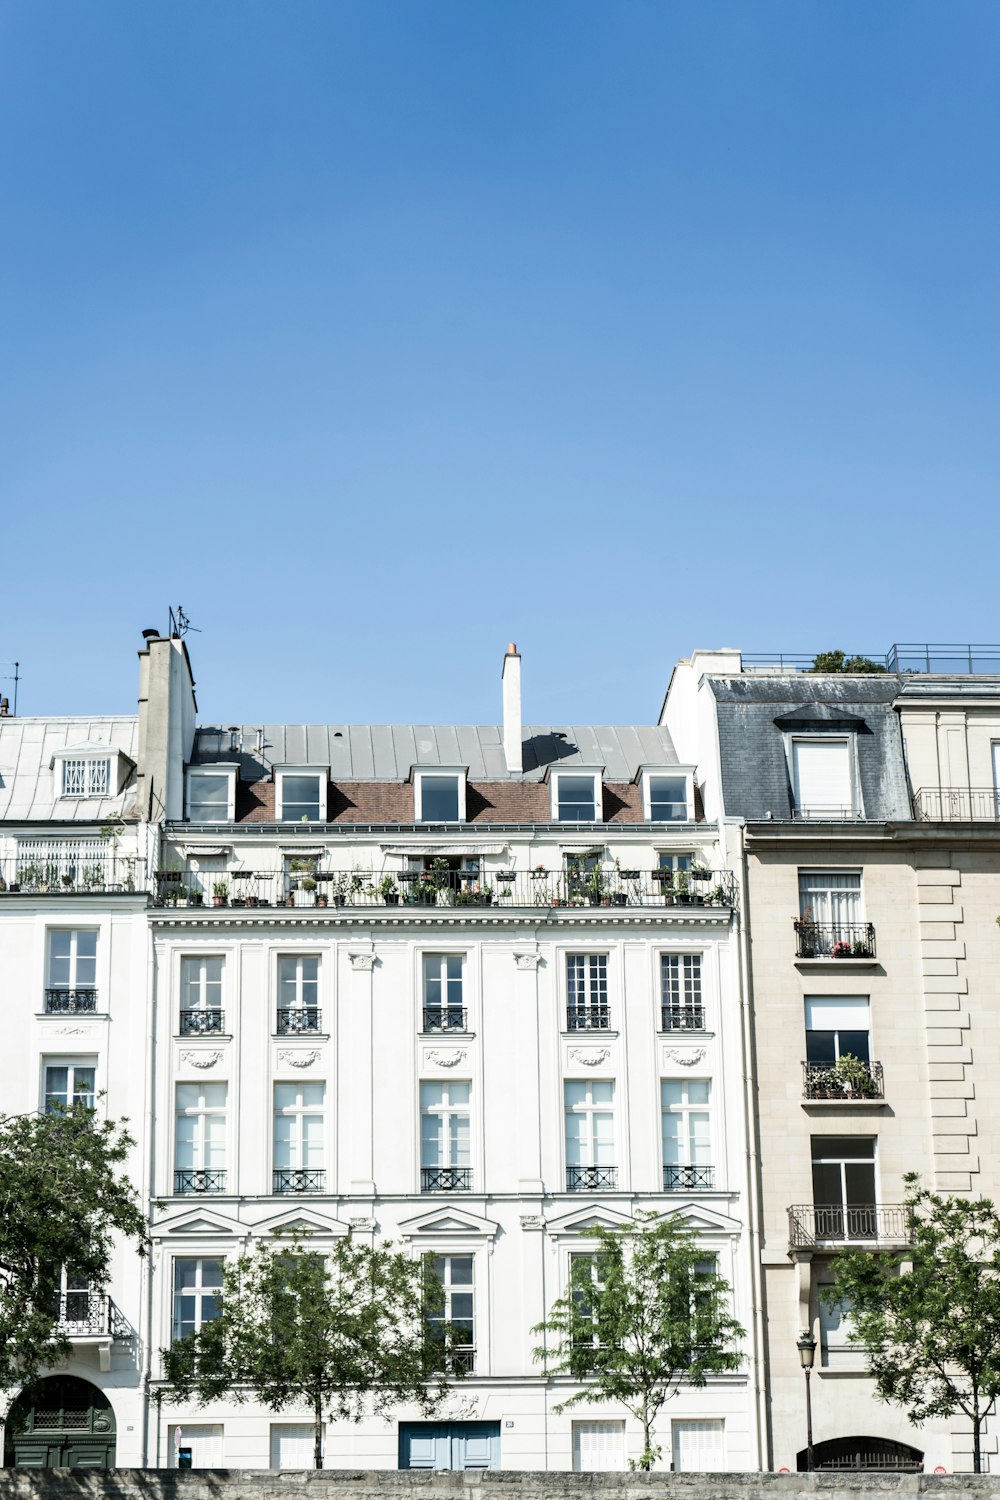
x=822, y=774
x=996, y=779
x=698, y=1447
x=837, y=1013
x=598, y=1446
x=292, y=1445
x=205, y=1444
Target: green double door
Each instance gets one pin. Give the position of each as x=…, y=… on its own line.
x=66, y=1424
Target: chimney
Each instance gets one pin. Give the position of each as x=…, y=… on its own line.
x=4, y=708
x=511, y=679
x=167, y=711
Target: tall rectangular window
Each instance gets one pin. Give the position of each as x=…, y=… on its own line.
x=201, y=995
x=298, y=993
x=587, y=1007
x=200, y=1139
x=72, y=970
x=456, y=1273
x=302, y=797
x=590, y=1134
x=445, y=1145
x=299, y=1123
x=585, y=1284
x=197, y=1292
x=843, y=1172
x=575, y=798
x=68, y=1084
x=439, y=797
x=822, y=779
x=687, y=1141
x=668, y=799
x=681, y=1007
x=209, y=796
x=444, y=1008
x=837, y=1026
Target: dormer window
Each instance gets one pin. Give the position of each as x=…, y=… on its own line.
x=86, y=778
x=89, y=770
x=301, y=795
x=667, y=797
x=823, y=779
x=576, y=797
x=211, y=794
x=439, y=796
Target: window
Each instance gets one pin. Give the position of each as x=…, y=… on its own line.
x=667, y=798
x=575, y=798
x=197, y=1289
x=439, y=796
x=674, y=862
x=835, y=1330
x=830, y=921
x=201, y=996
x=86, y=776
x=587, y=1007
x=687, y=1143
x=455, y=1272
x=680, y=992
x=69, y=1084
x=299, y=1121
x=843, y=1171
x=590, y=1135
x=78, y=1309
x=445, y=1161
x=598, y=1446
x=443, y=1007
x=698, y=1447
x=211, y=796
x=72, y=967
x=837, y=1026
x=298, y=993
x=301, y=797
x=200, y=1143
x=584, y=1274
x=822, y=779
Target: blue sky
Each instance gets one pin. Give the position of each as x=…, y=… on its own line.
x=378, y=334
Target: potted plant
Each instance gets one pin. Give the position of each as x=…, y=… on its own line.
x=663, y=877
x=539, y=872
x=505, y=877
x=595, y=888
x=808, y=934
x=323, y=900
x=861, y=949
x=716, y=896
x=840, y=949
x=854, y=1076
x=388, y=890
x=440, y=873
x=682, y=888
x=700, y=872
x=307, y=884
x=196, y=898
x=220, y=893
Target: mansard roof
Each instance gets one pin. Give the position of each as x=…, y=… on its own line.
x=29, y=789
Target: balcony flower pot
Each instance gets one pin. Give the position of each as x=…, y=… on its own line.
x=505, y=877
x=252, y=901
x=619, y=899
x=631, y=874
x=391, y=898
x=841, y=950
x=323, y=900
x=219, y=901
x=195, y=898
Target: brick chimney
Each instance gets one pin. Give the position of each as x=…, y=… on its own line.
x=511, y=678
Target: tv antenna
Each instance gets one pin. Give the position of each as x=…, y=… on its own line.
x=180, y=624
x=15, y=678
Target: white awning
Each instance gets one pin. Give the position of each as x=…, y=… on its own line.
x=445, y=847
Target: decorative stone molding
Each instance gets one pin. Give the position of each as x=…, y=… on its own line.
x=298, y=1059
x=527, y=960
x=685, y=1059
x=362, y=1225
x=74, y=1030
x=532, y=1221
x=461, y=1409
x=450, y=1059
x=362, y=961
x=202, y=1059
x=589, y=1059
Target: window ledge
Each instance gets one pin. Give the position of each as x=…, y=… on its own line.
x=208, y=1037
x=837, y=963
x=73, y=1017
x=680, y=1037
x=444, y=1036
x=841, y=1104
x=585, y=1033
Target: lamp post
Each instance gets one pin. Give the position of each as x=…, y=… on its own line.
x=807, y=1353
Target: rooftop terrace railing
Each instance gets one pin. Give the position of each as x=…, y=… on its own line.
x=65, y=872
x=956, y=804
x=903, y=658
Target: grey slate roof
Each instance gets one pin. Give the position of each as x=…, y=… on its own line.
x=755, y=783
x=27, y=785
x=385, y=752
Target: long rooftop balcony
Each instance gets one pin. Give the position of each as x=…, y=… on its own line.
x=904, y=658
x=65, y=870
x=956, y=804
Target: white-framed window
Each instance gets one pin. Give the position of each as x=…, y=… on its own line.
x=211, y=795
x=298, y=992
x=685, y=1109
x=677, y=862
x=300, y=795
x=200, y=1138
x=457, y=1276
x=576, y=797
x=439, y=796
x=823, y=780
x=844, y=1198
x=299, y=1131
x=668, y=796
x=835, y=1330
x=587, y=1004
x=682, y=1007
x=698, y=1446
x=445, y=1136
x=444, y=1002
x=837, y=1026
x=598, y=1447
x=830, y=897
x=590, y=1134
x=69, y=1082
x=201, y=994
x=197, y=1290
x=72, y=958
x=85, y=776
x=584, y=1273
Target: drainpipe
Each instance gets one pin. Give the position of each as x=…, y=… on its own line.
x=150, y=1083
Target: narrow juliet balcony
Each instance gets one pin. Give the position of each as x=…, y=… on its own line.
x=92, y=1314
x=444, y=1018
x=847, y=1081
x=834, y=939
x=67, y=1002
x=834, y=1224
x=688, y=1179
x=588, y=1017
x=445, y=1179
x=591, y=1179
x=682, y=1017
x=294, y=1020
x=299, y=1180
x=200, y=1180
x=204, y=1021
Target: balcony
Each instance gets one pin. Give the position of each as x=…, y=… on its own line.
x=591, y=1179
x=202, y=1022
x=56, y=869
x=688, y=1179
x=295, y=1019
x=444, y=1018
x=299, y=1180
x=835, y=1224
x=682, y=1018
x=848, y=1081
x=956, y=804
x=65, y=1002
x=588, y=1018
x=445, y=1179
x=91, y=1315
x=200, y=1180
x=834, y=940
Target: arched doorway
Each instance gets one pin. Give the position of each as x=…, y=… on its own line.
x=62, y=1423
x=864, y=1454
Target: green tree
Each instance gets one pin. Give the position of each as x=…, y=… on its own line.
x=354, y=1331
x=931, y=1332
x=62, y=1200
x=644, y=1313
x=836, y=661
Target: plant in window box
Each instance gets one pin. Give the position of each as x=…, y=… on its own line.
x=196, y=898
x=700, y=872
x=663, y=877
x=861, y=949
x=841, y=949
x=539, y=872
x=66, y=881
x=682, y=888
x=388, y=890
x=854, y=1076
x=220, y=893
x=92, y=876
x=596, y=888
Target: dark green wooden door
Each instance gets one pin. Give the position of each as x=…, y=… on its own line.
x=68, y=1425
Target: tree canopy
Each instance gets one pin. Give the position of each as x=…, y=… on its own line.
x=645, y=1312
x=928, y=1316
x=62, y=1199
x=836, y=661
x=351, y=1331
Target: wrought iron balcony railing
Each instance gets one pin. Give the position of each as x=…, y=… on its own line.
x=834, y=939
x=688, y=1179
x=294, y=1019
x=200, y=1180
x=682, y=1018
x=845, y=1081
x=588, y=1018
x=956, y=804
x=203, y=1021
x=591, y=1179
x=444, y=1018
x=84, y=1314
x=65, y=1002
x=840, y=1224
x=299, y=1180
x=445, y=1179
x=66, y=870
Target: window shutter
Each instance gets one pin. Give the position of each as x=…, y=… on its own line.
x=822, y=773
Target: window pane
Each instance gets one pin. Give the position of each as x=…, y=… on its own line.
x=439, y=799
x=843, y=1148
x=300, y=798
x=430, y=1140
x=431, y=1094
x=698, y=1091
x=576, y=1093
x=576, y=799
x=667, y=798
x=826, y=1183
x=603, y=1092
x=208, y=799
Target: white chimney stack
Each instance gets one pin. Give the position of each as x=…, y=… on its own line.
x=511, y=679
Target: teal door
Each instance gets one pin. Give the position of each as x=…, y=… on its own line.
x=449, y=1445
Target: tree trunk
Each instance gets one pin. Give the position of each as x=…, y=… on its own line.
x=977, y=1457
x=318, y=1430
x=647, y=1447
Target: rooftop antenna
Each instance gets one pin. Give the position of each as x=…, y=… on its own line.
x=15, y=678
x=180, y=624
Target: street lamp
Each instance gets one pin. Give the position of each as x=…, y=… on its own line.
x=806, y=1346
